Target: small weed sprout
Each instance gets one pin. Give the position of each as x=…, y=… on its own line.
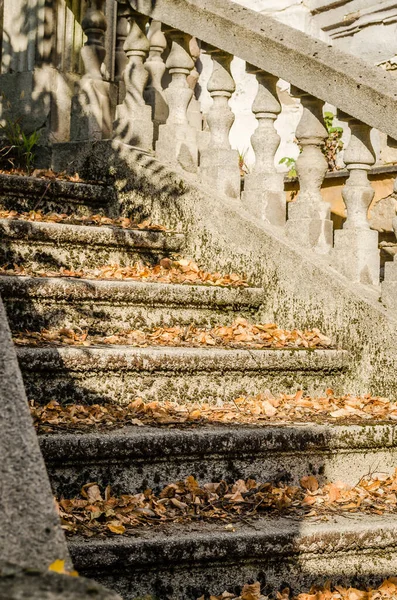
x=16, y=147
x=242, y=163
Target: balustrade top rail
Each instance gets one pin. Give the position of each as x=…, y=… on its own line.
x=357, y=88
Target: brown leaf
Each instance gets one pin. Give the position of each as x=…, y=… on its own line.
x=116, y=527
x=251, y=592
x=309, y=483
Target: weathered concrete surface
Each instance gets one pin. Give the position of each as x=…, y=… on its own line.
x=108, y=306
x=187, y=561
x=30, y=532
x=299, y=288
x=122, y=373
x=356, y=255
x=52, y=245
x=32, y=193
x=360, y=90
x=134, y=459
x=18, y=584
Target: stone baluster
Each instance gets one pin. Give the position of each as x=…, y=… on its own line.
x=92, y=104
x=356, y=252
x=155, y=66
x=264, y=195
x=94, y=26
x=194, y=113
x=133, y=123
x=177, y=141
x=46, y=33
x=122, y=29
x=219, y=164
x=309, y=223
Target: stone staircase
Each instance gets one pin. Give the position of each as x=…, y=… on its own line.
x=165, y=166
x=184, y=561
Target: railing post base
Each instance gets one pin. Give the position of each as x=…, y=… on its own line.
x=389, y=286
x=219, y=169
x=263, y=198
x=177, y=143
x=133, y=125
x=92, y=110
x=313, y=233
x=356, y=255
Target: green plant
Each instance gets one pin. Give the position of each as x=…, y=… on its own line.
x=333, y=144
x=244, y=169
x=17, y=148
x=290, y=163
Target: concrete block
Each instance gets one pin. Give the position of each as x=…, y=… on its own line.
x=177, y=143
x=41, y=98
x=264, y=197
x=356, y=255
x=17, y=583
x=93, y=106
x=311, y=233
x=133, y=125
x=30, y=532
x=389, y=286
x=219, y=169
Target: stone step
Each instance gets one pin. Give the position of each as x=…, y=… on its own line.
x=122, y=373
x=107, y=306
x=54, y=195
x=136, y=458
x=56, y=245
x=186, y=561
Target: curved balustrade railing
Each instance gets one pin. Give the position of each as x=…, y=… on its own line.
x=155, y=47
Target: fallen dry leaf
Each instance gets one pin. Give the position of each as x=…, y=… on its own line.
x=309, y=483
x=97, y=220
x=54, y=417
x=386, y=591
x=240, y=334
x=167, y=271
x=95, y=513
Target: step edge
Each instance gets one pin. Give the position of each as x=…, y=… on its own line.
x=280, y=537
x=183, y=359
x=219, y=441
x=15, y=185
x=77, y=235
x=45, y=288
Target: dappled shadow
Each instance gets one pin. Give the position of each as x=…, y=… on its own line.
x=143, y=188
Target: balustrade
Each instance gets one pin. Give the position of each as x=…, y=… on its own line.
x=92, y=103
x=309, y=217
x=194, y=113
x=219, y=164
x=155, y=66
x=177, y=141
x=127, y=100
x=356, y=252
x=264, y=195
x=122, y=29
x=133, y=123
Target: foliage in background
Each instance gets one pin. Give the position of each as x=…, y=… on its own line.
x=290, y=163
x=333, y=144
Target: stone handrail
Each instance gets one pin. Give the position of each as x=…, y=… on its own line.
x=357, y=88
